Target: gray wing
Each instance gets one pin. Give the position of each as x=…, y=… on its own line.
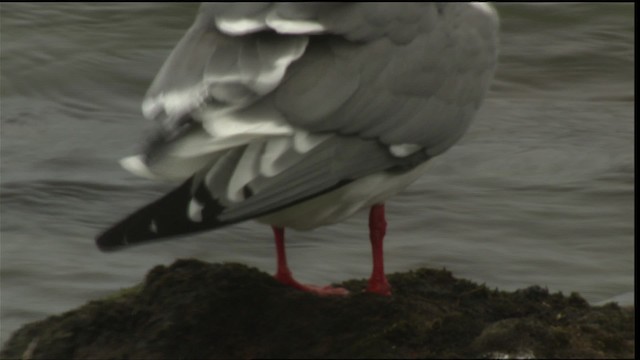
x=269, y=104
x=407, y=73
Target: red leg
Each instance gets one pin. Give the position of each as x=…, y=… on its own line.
x=283, y=274
x=377, y=228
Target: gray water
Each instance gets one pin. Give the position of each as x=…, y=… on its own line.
x=539, y=191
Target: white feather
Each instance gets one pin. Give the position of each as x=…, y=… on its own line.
x=246, y=170
x=291, y=26
x=274, y=148
x=243, y=26
x=485, y=8
x=153, y=227
x=403, y=150
x=195, y=210
x=254, y=123
x=174, y=103
x=240, y=26
x=303, y=141
x=269, y=80
x=136, y=166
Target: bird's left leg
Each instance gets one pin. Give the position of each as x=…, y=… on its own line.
x=283, y=274
x=377, y=229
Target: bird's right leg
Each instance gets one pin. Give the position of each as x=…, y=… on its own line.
x=283, y=274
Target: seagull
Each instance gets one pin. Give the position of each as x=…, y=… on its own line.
x=299, y=115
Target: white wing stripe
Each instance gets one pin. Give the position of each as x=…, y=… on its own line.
x=274, y=149
x=243, y=26
x=246, y=170
x=288, y=26
x=233, y=90
x=240, y=26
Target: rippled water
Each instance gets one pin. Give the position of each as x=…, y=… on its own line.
x=540, y=191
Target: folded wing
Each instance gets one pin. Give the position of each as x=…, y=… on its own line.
x=264, y=105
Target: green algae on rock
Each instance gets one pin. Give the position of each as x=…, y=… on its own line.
x=193, y=309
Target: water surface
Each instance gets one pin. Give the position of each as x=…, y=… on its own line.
x=539, y=191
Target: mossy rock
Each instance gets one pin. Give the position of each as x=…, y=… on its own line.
x=193, y=309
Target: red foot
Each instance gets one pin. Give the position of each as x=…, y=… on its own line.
x=284, y=276
x=379, y=286
x=328, y=290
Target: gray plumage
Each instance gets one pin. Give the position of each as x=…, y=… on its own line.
x=268, y=104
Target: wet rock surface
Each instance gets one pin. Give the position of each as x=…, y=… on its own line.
x=193, y=309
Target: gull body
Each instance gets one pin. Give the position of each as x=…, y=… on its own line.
x=301, y=114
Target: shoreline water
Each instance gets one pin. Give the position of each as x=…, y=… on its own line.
x=539, y=191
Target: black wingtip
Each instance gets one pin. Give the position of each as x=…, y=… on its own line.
x=106, y=241
x=167, y=217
